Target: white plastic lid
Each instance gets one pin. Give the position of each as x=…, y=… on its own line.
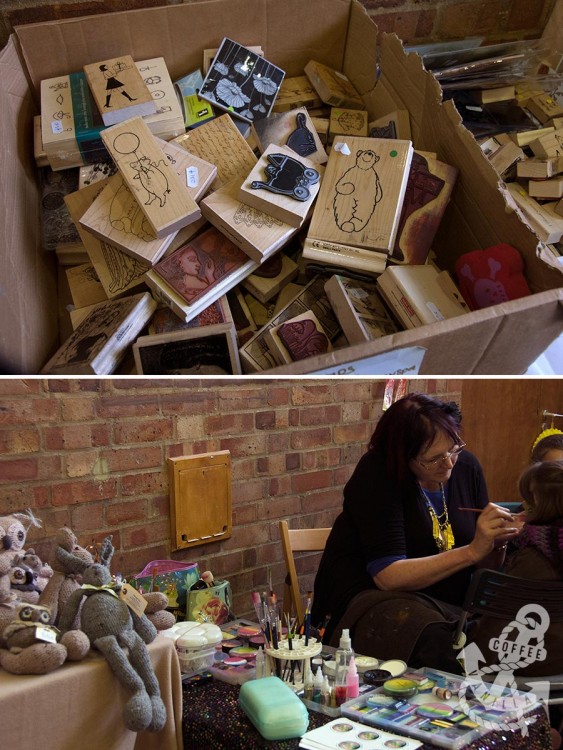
x=197, y=634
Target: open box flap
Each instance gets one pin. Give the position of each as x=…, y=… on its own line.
x=487, y=345
x=28, y=292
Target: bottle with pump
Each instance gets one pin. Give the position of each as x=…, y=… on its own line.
x=343, y=655
x=352, y=680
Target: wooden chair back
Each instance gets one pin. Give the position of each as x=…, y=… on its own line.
x=297, y=540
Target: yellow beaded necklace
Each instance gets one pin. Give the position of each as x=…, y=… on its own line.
x=441, y=526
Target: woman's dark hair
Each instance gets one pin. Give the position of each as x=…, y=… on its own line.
x=549, y=442
x=541, y=487
x=408, y=427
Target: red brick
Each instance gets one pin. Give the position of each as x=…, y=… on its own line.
x=354, y=391
x=305, y=439
x=243, y=514
x=276, y=508
x=187, y=402
x=229, y=424
x=525, y=15
x=19, y=387
x=278, y=442
x=144, y=483
x=279, y=486
x=117, y=407
x=313, y=480
x=311, y=394
x=247, y=536
x=84, y=464
x=149, y=533
x=292, y=461
x=19, y=469
x=460, y=20
x=119, y=513
x=293, y=419
x=132, y=561
x=19, y=441
x=328, y=501
x=244, y=397
x=246, y=492
x=245, y=445
x=59, y=386
x=352, y=433
x=320, y=415
x=13, y=499
x=224, y=565
x=28, y=411
x=143, y=431
x=69, y=493
x=75, y=437
x=140, y=457
x=278, y=396
x=265, y=420
x=87, y=517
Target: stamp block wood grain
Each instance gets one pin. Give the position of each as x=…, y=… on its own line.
x=119, y=90
x=161, y=194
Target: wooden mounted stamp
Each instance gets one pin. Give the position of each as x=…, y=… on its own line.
x=85, y=286
x=359, y=309
x=168, y=120
x=119, y=90
x=346, y=122
x=362, y=193
x=297, y=338
x=204, y=350
x=428, y=193
x=396, y=124
x=549, y=145
x=257, y=233
x=506, y=157
x=209, y=56
x=103, y=338
x=544, y=108
x=542, y=218
x=161, y=194
x=118, y=272
x=526, y=137
x=295, y=92
x=551, y=189
x=293, y=129
x=116, y=216
x=221, y=143
x=198, y=273
x=269, y=278
x=282, y=184
x=241, y=82
x=332, y=86
x=539, y=169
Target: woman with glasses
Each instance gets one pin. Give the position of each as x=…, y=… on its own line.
x=416, y=519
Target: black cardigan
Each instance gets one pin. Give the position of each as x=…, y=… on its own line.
x=378, y=520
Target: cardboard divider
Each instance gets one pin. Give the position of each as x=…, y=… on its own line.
x=503, y=339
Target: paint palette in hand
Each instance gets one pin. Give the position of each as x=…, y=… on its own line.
x=241, y=82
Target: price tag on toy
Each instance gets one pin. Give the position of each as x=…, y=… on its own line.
x=45, y=633
x=135, y=601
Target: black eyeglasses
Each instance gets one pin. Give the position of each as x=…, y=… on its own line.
x=453, y=454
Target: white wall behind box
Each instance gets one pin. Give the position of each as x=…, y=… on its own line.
x=504, y=339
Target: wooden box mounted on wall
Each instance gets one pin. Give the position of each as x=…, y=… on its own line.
x=200, y=498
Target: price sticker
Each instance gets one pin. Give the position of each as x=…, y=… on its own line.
x=44, y=633
x=192, y=177
x=56, y=127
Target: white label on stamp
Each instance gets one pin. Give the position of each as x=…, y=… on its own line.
x=435, y=311
x=56, y=127
x=192, y=177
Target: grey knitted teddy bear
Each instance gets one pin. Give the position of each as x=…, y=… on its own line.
x=111, y=627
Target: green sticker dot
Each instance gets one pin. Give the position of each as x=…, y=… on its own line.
x=392, y=153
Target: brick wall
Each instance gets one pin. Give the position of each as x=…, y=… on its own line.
x=414, y=21
x=92, y=454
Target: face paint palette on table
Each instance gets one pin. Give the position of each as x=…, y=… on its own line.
x=343, y=734
x=442, y=709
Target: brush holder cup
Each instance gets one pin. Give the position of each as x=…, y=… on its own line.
x=292, y=659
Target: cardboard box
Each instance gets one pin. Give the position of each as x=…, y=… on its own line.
x=505, y=338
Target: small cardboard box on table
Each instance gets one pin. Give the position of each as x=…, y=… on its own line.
x=503, y=339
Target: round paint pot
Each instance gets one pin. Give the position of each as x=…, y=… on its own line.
x=363, y=663
x=233, y=661
x=434, y=710
x=399, y=687
x=257, y=641
x=228, y=645
x=395, y=666
x=378, y=700
x=247, y=632
x=376, y=676
x=243, y=652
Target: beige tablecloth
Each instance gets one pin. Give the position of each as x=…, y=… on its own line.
x=80, y=707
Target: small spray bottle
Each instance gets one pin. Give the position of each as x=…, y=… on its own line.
x=343, y=655
x=352, y=680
